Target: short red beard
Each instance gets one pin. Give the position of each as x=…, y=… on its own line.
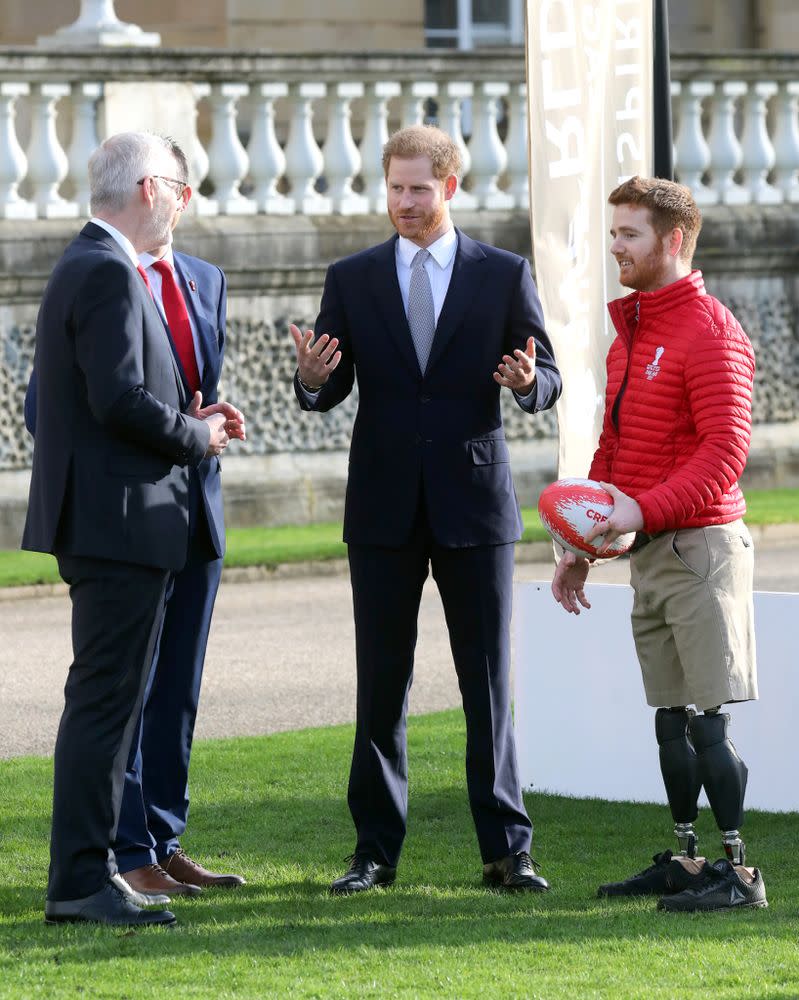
x=427, y=223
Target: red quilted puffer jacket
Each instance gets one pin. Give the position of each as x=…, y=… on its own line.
x=678, y=439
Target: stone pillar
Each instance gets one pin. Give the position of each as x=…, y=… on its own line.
x=98, y=26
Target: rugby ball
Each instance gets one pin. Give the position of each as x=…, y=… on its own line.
x=569, y=508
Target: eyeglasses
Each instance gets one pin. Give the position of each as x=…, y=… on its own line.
x=181, y=185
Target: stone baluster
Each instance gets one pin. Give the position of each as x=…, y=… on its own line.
x=450, y=107
x=267, y=159
x=786, y=141
x=758, y=152
x=693, y=155
x=227, y=158
x=47, y=161
x=85, y=97
x=516, y=143
x=304, y=160
x=489, y=158
x=725, y=149
x=13, y=163
x=199, y=163
x=414, y=94
x=342, y=159
x=375, y=135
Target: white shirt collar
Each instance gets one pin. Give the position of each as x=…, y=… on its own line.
x=147, y=260
x=442, y=251
x=118, y=237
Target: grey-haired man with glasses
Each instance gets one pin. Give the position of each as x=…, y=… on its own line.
x=116, y=432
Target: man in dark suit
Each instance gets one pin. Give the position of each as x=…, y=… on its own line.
x=424, y=321
x=116, y=432
x=155, y=800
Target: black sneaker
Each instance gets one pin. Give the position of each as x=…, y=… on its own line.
x=668, y=874
x=724, y=887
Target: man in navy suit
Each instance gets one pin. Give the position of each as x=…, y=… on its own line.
x=433, y=324
x=116, y=434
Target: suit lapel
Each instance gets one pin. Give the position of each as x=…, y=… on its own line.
x=386, y=291
x=463, y=286
x=206, y=329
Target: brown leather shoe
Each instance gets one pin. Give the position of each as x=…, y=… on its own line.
x=152, y=879
x=181, y=867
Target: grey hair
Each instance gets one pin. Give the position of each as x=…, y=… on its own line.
x=116, y=166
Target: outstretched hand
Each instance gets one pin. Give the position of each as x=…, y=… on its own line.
x=518, y=372
x=316, y=359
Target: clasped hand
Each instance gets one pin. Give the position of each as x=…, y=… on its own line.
x=224, y=421
x=626, y=517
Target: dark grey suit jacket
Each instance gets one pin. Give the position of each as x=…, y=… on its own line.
x=112, y=445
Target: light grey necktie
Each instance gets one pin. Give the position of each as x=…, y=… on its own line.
x=421, y=311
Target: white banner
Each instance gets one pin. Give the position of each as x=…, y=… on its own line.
x=589, y=87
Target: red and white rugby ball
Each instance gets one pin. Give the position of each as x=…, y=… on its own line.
x=569, y=508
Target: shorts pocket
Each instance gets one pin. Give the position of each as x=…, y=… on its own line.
x=690, y=546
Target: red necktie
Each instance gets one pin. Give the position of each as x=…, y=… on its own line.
x=177, y=319
x=143, y=273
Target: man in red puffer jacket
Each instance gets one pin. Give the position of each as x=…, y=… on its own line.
x=674, y=441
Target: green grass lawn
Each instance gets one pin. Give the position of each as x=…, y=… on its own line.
x=274, y=808
x=297, y=543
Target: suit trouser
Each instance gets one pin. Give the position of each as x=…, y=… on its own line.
x=155, y=802
x=476, y=587
x=116, y=615
x=155, y=799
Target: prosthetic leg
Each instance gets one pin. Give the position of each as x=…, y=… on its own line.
x=671, y=873
x=723, y=774
x=680, y=769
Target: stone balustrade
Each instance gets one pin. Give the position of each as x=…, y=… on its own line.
x=301, y=134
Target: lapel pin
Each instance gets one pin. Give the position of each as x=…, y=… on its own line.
x=192, y=284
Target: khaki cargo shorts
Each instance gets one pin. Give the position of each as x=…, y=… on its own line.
x=693, y=617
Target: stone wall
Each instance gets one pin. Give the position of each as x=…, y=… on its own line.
x=293, y=465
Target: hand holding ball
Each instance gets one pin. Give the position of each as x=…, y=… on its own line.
x=570, y=508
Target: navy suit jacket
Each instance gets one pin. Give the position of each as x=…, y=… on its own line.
x=205, y=291
x=441, y=431
x=110, y=477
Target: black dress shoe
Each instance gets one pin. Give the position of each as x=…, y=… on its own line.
x=138, y=898
x=362, y=874
x=516, y=871
x=108, y=906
